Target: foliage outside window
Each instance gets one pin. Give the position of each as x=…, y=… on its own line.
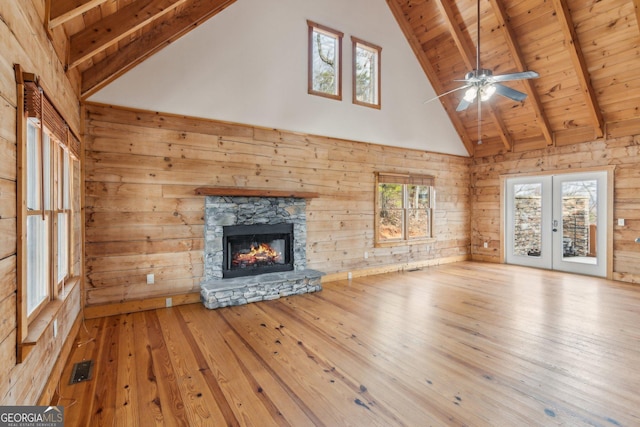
x=366, y=73
x=51, y=225
x=404, y=208
x=325, y=61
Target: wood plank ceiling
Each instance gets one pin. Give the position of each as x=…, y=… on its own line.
x=102, y=39
x=587, y=53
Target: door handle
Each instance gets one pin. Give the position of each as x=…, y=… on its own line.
x=555, y=225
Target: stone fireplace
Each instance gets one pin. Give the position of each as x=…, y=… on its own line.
x=255, y=250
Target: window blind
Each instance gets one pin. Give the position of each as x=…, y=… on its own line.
x=38, y=106
x=388, y=178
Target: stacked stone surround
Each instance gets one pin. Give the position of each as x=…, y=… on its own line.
x=221, y=211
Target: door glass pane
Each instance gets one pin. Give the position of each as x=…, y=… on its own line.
x=527, y=226
x=579, y=219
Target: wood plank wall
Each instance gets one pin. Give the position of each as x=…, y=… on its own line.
x=622, y=152
x=142, y=215
x=24, y=41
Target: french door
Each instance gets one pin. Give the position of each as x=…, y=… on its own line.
x=558, y=222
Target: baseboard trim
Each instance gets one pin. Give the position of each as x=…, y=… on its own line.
x=103, y=310
x=485, y=258
x=331, y=277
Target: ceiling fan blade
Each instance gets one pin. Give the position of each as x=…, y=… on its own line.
x=463, y=105
x=446, y=93
x=509, y=93
x=515, y=76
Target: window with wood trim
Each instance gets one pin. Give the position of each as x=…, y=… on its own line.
x=50, y=222
x=366, y=73
x=325, y=61
x=404, y=208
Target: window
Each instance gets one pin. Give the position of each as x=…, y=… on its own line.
x=404, y=208
x=366, y=73
x=48, y=215
x=325, y=61
x=50, y=221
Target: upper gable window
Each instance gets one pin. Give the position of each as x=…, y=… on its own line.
x=366, y=73
x=325, y=61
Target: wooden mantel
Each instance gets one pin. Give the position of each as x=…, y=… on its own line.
x=253, y=192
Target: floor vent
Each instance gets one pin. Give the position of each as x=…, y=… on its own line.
x=81, y=372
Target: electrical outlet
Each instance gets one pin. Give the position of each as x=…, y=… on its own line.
x=151, y=279
x=486, y=245
x=168, y=302
x=366, y=254
x=349, y=275
x=55, y=328
x=621, y=222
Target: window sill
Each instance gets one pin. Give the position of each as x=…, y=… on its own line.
x=395, y=243
x=43, y=320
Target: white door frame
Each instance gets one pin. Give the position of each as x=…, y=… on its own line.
x=607, y=233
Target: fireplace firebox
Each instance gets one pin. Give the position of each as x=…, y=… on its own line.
x=256, y=249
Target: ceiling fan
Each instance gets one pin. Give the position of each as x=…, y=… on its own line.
x=481, y=84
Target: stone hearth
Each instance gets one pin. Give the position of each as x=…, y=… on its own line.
x=221, y=211
x=269, y=286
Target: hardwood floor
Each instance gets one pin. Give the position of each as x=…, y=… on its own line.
x=460, y=344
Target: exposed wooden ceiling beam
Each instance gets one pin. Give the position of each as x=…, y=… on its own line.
x=164, y=32
x=468, y=54
x=516, y=53
x=397, y=12
x=470, y=60
x=580, y=65
x=115, y=27
x=65, y=10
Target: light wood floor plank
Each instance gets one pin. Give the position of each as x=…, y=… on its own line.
x=146, y=386
x=231, y=356
x=188, y=367
x=458, y=344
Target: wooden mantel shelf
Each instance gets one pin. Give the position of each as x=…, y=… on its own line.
x=253, y=192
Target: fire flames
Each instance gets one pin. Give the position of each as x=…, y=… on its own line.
x=260, y=254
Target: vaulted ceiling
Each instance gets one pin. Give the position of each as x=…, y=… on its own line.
x=587, y=53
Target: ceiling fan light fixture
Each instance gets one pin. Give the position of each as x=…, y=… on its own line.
x=471, y=94
x=486, y=92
